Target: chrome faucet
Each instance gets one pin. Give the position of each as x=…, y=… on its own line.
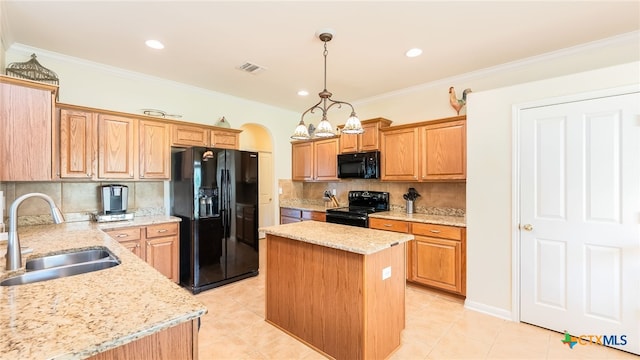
x=14, y=255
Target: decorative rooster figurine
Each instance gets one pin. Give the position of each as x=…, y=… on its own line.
x=455, y=103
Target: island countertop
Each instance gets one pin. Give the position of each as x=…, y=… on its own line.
x=349, y=238
x=78, y=316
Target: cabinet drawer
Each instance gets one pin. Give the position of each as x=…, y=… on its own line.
x=160, y=230
x=441, y=231
x=390, y=225
x=290, y=213
x=314, y=215
x=125, y=234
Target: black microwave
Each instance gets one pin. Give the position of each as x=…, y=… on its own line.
x=359, y=165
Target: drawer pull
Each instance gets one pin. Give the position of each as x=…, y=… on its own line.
x=162, y=230
x=435, y=231
x=122, y=235
x=388, y=225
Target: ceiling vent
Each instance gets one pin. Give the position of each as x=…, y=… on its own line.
x=251, y=68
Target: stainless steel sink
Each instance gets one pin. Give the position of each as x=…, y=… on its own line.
x=63, y=265
x=71, y=258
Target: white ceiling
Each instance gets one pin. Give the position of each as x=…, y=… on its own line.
x=206, y=40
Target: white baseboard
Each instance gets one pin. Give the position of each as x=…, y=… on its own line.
x=489, y=310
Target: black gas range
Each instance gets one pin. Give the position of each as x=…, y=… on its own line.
x=361, y=204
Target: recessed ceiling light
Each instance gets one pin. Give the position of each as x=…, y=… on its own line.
x=413, y=52
x=154, y=44
x=303, y=93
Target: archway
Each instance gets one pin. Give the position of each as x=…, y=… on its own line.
x=255, y=137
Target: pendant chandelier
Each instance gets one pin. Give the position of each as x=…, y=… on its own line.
x=324, y=128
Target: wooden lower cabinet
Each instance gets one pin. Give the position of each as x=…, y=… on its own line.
x=177, y=342
x=335, y=300
x=157, y=244
x=288, y=215
x=437, y=256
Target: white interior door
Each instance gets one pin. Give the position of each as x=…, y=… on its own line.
x=579, y=218
x=265, y=190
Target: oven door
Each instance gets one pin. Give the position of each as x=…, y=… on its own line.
x=360, y=220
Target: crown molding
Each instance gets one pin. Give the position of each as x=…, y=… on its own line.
x=631, y=37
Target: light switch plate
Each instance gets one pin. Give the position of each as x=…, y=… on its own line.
x=386, y=273
x=280, y=190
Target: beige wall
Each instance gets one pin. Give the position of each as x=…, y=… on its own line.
x=490, y=179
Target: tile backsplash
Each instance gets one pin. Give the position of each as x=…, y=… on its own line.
x=449, y=195
x=77, y=200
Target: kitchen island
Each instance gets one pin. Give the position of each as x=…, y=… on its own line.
x=126, y=311
x=340, y=289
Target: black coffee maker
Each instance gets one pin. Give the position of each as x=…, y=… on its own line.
x=114, y=198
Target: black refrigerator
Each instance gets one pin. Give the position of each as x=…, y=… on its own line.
x=215, y=193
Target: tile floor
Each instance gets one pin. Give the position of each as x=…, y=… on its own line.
x=437, y=327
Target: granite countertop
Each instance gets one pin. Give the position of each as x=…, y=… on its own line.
x=349, y=238
x=298, y=205
x=421, y=218
x=78, y=316
x=442, y=217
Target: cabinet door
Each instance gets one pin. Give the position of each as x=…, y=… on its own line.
x=370, y=139
x=155, y=151
x=326, y=159
x=26, y=116
x=162, y=254
x=76, y=143
x=349, y=143
x=134, y=247
x=444, y=151
x=185, y=135
x=224, y=139
x=115, y=147
x=302, y=161
x=438, y=263
x=161, y=249
x=399, y=155
x=129, y=238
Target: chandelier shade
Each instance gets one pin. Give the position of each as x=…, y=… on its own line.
x=324, y=129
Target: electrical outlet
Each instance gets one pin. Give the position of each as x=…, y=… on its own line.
x=280, y=190
x=386, y=273
x=333, y=191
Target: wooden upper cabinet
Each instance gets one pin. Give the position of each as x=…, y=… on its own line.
x=326, y=159
x=116, y=147
x=302, y=161
x=225, y=138
x=155, y=150
x=367, y=141
x=189, y=135
x=76, y=144
x=399, y=149
x=26, y=141
x=315, y=160
x=443, y=148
